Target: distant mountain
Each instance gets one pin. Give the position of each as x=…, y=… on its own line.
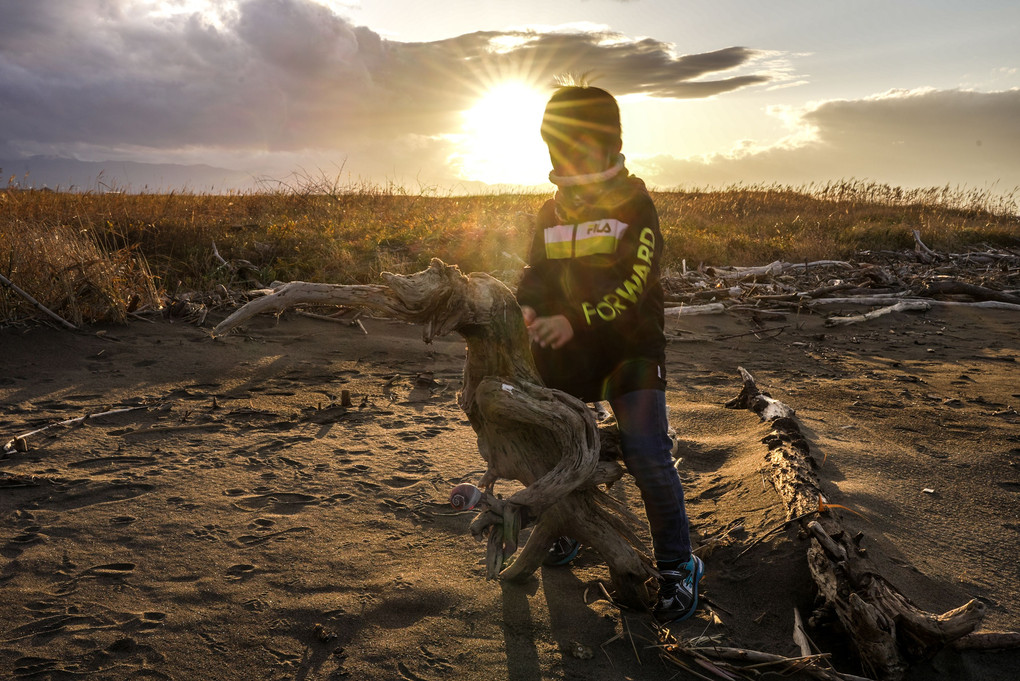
x=38, y=172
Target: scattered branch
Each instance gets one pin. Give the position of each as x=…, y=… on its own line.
x=39, y=306
x=894, y=281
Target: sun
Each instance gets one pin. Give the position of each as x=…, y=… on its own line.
x=500, y=141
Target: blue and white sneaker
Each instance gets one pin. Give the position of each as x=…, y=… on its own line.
x=678, y=591
x=563, y=550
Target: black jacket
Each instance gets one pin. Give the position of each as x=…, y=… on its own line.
x=597, y=263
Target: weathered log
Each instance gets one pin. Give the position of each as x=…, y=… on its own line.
x=690, y=310
x=988, y=640
x=902, y=306
x=773, y=268
x=931, y=288
x=888, y=631
x=543, y=438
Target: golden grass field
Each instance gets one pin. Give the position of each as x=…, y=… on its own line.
x=87, y=256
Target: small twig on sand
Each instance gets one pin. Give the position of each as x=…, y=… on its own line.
x=756, y=333
x=20, y=442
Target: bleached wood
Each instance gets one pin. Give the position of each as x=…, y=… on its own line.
x=884, y=300
x=691, y=310
x=925, y=253
x=902, y=306
x=773, y=268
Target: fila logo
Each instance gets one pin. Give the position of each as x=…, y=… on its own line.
x=601, y=227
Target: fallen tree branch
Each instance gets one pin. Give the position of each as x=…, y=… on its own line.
x=39, y=306
x=923, y=252
x=20, y=443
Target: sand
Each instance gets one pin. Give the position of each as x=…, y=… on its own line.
x=244, y=525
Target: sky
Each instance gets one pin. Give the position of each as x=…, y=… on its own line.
x=448, y=95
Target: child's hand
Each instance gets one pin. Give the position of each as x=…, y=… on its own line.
x=529, y=314
x=554, y=332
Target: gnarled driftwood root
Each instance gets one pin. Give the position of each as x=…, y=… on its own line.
x=543, y=438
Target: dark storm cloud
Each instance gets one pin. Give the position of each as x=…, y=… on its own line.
x=285, y=75
x=924, y=138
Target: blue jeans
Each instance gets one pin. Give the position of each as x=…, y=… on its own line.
x=644, y=428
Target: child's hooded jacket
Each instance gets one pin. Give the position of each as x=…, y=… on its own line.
x=595, y=259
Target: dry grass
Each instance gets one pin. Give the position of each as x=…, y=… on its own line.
x=87, y=256
x=71, y=272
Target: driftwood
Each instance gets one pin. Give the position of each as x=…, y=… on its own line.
x=902, y=306
x=981, y=279
x=690, y=310
x=236, y=267
x=543, y=438
x=888, y=631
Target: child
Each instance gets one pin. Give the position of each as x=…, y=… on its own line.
x=593, y=304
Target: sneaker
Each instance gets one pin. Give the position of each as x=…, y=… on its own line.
x=678, y=591
x=562, y=552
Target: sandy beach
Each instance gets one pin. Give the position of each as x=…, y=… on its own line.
x=240, y=523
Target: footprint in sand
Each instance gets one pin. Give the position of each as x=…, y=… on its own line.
x=28, y=535
x=36, y=667
x=249, y=540
x=101, y=493
x=149, y=620
x=108, y=573
x=240, y=571
x=415, y=465
x=111, y=464
x=283, y=503
x=399, y=482
x=367, y=487
x=214, y=643
x=114, y=569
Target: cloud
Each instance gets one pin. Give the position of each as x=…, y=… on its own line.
x=289, y=76
x=913, y=138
